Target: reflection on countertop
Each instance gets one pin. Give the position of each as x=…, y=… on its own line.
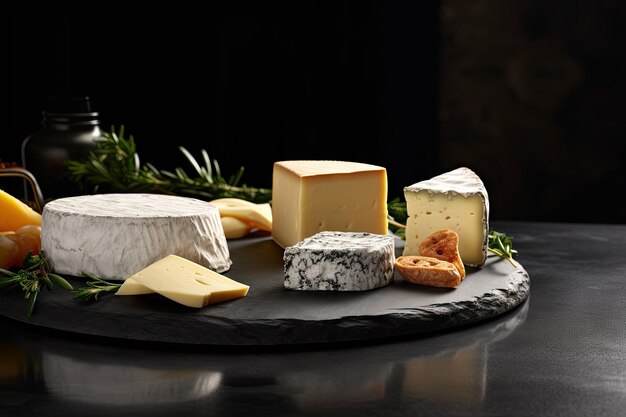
x=445, y=369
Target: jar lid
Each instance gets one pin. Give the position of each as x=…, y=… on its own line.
x=66, y=104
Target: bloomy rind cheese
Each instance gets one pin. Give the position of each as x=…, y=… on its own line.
x=461, y=183
x=340, y=261
x=112, y=236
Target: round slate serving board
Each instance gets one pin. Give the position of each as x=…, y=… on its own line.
x=271, y=315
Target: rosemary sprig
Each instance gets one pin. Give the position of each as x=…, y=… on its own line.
x=396, y=215
x=502, y=245
x=115, y=165
x=32, y=277
x=94, y=288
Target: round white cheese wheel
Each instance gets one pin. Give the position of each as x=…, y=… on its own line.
x=113, y=236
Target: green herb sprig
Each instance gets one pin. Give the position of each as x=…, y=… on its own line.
x=396, y=215
x=115, y=165
x=34, y=275
x=94, y=288
x=502, y=245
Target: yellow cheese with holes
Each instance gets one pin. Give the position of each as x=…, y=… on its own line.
x=188, y=283
x=15, y=214
x=314, y=196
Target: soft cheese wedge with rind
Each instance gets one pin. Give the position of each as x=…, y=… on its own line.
x=15, y=214
x=188, y=283
x=455, y=200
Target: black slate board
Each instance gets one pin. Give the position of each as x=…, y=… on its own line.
x=271, y=315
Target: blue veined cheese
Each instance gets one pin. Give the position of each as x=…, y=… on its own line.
x=454, y=200
x=340, y=261
x=113, y=236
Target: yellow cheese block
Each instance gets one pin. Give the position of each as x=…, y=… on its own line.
x=258, y=216
x=15, y=214
x=314, y=196
x=188, y=283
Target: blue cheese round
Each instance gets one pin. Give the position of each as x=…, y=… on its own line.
x=340, y=261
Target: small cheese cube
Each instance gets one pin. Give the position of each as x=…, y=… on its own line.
x=314, y=196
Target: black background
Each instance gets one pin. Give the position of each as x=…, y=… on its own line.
x=256, y=82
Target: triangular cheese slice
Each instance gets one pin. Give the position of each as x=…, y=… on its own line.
x=187, y=282
x=455, y=200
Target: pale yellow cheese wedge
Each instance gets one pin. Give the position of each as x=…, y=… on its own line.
x=15, y=214
x=258, y=216
x=235, y=228
x=132, y=287
x=188, y=283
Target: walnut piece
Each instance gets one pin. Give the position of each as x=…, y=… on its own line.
x=443, y=245
x=425, y=270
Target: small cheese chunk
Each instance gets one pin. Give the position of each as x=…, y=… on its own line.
x=258, y=216
x=314, y=196
x=340, y=261
x=235, y=228
x=15, y=214
x=188, y=283
x=455, y=200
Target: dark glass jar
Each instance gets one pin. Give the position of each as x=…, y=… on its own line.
x=69, y=132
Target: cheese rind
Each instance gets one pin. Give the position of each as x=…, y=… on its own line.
x=112, y=236
x=455, y=200
x=188, y=283
x=314, y=196
x=340, y=261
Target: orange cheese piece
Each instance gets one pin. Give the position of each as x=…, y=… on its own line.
x=15, y=214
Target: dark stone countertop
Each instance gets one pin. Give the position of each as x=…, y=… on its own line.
x=561, y=352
